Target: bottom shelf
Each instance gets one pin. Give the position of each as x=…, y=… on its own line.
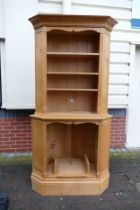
x=71, y=167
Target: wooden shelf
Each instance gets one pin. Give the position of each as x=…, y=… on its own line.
x=69, y=168
x=66, y=54
x=66, y=89
x=72, y=167
x=86, y=116
x=73, y=73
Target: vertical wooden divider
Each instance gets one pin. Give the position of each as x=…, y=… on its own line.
x=68, y=140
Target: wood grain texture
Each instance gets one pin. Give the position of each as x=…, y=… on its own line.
x=81, y=186
x=103, y=73
x=40, y=71
x=85, y=21
x=39, y=143
x=103, y=148
x=71, y=126
x=71, y=92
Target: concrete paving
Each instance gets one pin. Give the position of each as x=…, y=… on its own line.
x=122, y=194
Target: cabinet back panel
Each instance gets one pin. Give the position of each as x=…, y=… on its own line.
x=72, y=64
x=75, y=82
x=72, y=141
x=72, y=101
x=73, y=42
x=57, y=135
x=84, y=140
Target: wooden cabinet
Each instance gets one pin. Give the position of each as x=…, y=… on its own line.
x=71, y=127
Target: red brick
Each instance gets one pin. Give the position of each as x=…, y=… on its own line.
x=22, y=134
x=3, y=146
x=15, y=138
x=22, y=127
x=4, y=131
x=3, y=139
x=9, y=134
x=4, y=123
x=26, y=130
x=8, y=119
x=15, y=131
x=9, y=127
x=21, y=142
x=22, y=149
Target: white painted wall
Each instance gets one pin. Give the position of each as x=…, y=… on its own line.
x=133, y=111
x=18, y=75
x=133, y=137
x=3, y=73
x=136, y=9
x=1, y=18
x=50, y=6
x=19, y=34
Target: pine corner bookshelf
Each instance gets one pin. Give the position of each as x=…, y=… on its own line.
x=71, y=126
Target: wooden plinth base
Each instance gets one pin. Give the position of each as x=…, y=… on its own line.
x=69, y=186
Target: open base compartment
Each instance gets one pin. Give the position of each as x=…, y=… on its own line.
x=72, y=150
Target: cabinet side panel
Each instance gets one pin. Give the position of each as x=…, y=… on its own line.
x=37, y=146
x=103, y=147
x=103, y=73
x=40, y=74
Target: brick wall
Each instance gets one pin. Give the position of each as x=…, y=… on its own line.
x=118, y=128
x=118, y=136
x=15, y=130
x=15, y=135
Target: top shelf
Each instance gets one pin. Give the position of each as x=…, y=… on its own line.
x=71, y=54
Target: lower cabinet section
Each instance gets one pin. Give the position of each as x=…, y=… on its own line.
x=79, y=186
x=70, y=157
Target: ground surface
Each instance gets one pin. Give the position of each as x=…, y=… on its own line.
x=123, y=193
